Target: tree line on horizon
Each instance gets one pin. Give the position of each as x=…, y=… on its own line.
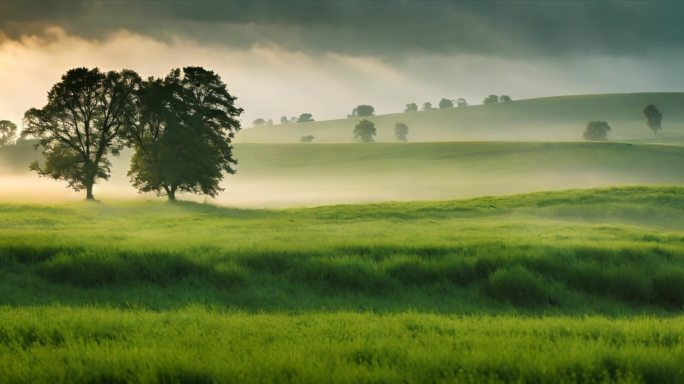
x=180, y=128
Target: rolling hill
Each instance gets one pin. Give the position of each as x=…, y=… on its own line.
x=543, y=119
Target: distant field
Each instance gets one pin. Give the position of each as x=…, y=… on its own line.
x=544, y=119
x=546, y=287
x=281, y=175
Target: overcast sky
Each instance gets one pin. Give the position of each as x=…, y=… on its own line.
x=288, y=57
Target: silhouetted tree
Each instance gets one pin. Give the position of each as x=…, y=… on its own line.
x=364, y=131
x=363, y=110
x=183, y=136
x=258, y=122
x=653, y=118
x=8, y=132
x=491, y=99
x=596, y=131
x=284, y=120
x=269, y=122
x=427, y=106
x=446, y=103
x=461, y=102
x=411, y=107
x=81, y=124
x=305, y=118
x=306, y=139
x=505, y=99
x=401, y=131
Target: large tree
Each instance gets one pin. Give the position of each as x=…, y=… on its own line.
x=654, y=118
x=491, y=99
x=8, y=132
x=411, y=107
x=183, y=135
x=80, y=126
x=305, y=118
x=364, y=131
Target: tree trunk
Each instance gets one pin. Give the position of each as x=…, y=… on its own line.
x=89, y=191
x=171, y=193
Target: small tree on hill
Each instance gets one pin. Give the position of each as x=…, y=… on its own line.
x=306, y=139
x=427, y=106
x=364, y=131
x=258, y=122
x=305, y=118
x=491, y=99
x=363, y=110
x=597, y=131
x=411, y=107
x=461, y=102
x=653, y=118
x=446, y=103
x=284, y=120
x=401, y=131
x=8, y=132
x=505, y=99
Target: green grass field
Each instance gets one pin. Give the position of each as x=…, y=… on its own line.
x=544, y=119
x=581, y=285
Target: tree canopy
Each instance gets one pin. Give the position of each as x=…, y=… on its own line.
x=597, y=131
x=491, y=99
x=427, y=106
x=411, y=107
x=363, y=110
x=305, y=118
x=401, y=131
x=183, y=134
x=364, y=131
x=8, y=132
x=258, y=122
x=505, y=99
x=446, y=103
x=461, y=102
x=80, y=125
x=654, y=118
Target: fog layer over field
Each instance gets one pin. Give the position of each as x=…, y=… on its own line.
x=281, y=175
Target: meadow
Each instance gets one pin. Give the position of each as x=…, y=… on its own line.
x=579, y=285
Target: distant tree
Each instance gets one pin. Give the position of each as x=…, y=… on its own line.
x=269, y=122
x=8, y=132
x=491, y=99
x=293, y=119
x=505, y=99
x=461, y=102
x=183, y=136
x=427, y=106
x=401, y=131
x=305, y=118
x=363, y=110
x=81, y=125
x=306, y=139
x=653, y=118
x=284, y=120
x=258, y=122
x=446, y=103
x=411, y=107
x=597, y=131
x=364, y=131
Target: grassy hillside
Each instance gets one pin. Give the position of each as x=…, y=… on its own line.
x=543, y=119
x=547, y=287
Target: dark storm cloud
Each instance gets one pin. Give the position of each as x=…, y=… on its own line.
x=384, y=28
